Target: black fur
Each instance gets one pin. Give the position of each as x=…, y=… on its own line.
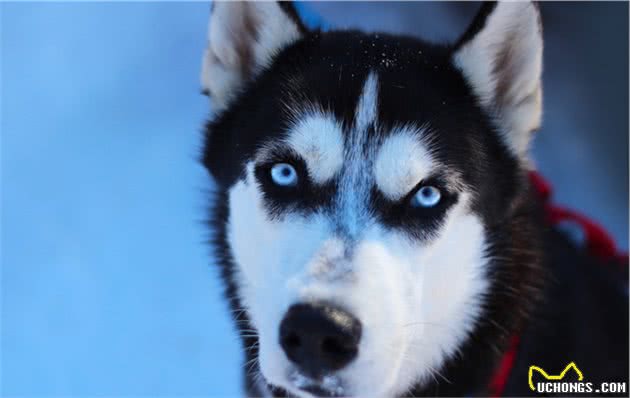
x=583, y=318
x=530, y=293
x=478, y=23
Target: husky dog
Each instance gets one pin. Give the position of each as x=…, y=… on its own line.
x=374, y=222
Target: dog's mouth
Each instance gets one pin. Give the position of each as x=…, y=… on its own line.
x=324, y=386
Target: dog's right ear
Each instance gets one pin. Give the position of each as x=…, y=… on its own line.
x=243, y=37
x=501, y=57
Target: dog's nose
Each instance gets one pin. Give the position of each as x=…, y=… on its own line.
x=319, y=338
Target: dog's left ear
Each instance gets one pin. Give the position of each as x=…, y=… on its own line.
x=501, y=57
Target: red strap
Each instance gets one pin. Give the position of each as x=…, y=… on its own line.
x=541, y=186
x=598, y=242
x=500, y=378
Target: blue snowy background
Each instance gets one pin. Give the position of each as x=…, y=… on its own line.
x=107, y=286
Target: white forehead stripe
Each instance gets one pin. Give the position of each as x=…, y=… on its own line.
x=401, y=163
x=367, y=108
x=317, y=138
x=357, y=176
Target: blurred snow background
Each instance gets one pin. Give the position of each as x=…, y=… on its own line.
x=107, y=287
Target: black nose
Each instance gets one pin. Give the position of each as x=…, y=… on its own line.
x=319, y=338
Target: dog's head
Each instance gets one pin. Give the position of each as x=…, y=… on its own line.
x=369, y=187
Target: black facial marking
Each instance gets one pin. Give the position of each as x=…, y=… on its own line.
x=303, y=197
x=417, y=222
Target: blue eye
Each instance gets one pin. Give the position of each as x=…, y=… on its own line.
x=284, y=175
x=427, y=196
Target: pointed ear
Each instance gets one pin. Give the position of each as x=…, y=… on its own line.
x=501, y=57
x=243, y=37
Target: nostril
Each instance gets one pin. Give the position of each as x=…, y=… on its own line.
x=292, y=340
x=333, y=346
x=329, y=345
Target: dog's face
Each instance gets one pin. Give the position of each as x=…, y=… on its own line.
x=366, y=177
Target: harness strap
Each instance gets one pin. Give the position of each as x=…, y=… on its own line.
x=598, y=243
x=501, y=375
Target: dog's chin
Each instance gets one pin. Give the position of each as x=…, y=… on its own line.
x=296, y=384
x=301, y=385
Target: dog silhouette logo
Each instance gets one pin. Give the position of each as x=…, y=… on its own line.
x=547, y=376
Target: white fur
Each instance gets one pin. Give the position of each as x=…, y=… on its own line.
x=318, y=139
x=512, y=28
x=229, y=34
x=401, y=163
x=366, y=112
x=417, y=301
x=355, y=183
